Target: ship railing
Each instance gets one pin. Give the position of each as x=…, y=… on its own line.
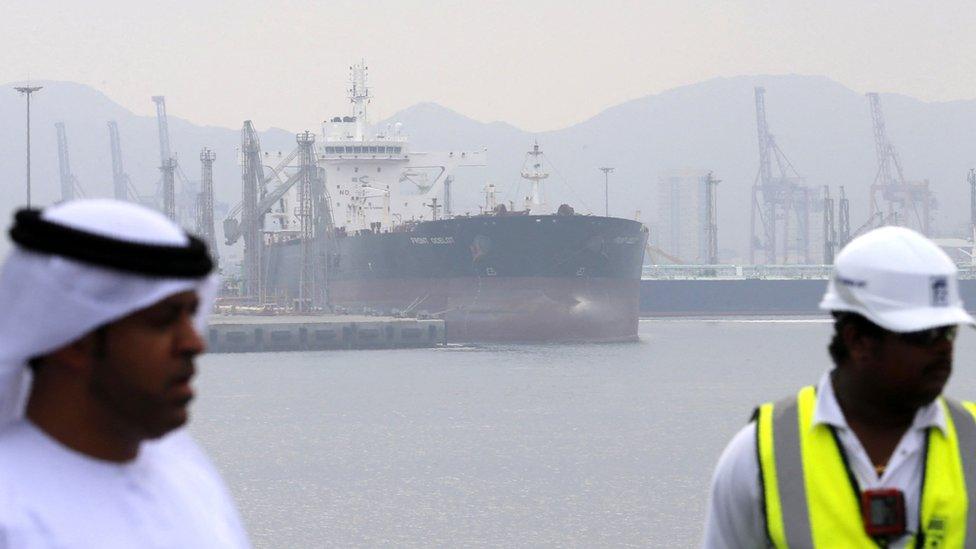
x=787, y=271
x=821, y=272
x=737, y=271
x=691, y=271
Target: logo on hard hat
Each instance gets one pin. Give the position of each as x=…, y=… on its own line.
x=851, y=282
x=940, y=291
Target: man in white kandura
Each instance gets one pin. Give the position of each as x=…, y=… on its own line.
x=873, y=455
x=101, y=303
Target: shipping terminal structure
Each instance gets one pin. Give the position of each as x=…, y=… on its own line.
x=360, y=222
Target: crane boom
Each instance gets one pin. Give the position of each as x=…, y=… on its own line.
x=762, y=129
x=167, y=162
x=276, y=172
x=163, y=126
x=121, y=184
x=70, y=188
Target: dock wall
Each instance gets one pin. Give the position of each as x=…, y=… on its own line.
x=259, y=334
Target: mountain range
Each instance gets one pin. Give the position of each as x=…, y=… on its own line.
x=823, y=127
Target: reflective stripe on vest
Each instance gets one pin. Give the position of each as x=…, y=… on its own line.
x=808, y=499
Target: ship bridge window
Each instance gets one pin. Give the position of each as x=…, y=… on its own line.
x=381, y=149
x=396, y=150
x=329, y=150
x=372, y=149
x=357, y=150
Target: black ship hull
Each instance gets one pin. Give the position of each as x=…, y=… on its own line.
x=525, y=278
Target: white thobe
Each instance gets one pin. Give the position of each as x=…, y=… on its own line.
x=735, y=518
x=170, y=496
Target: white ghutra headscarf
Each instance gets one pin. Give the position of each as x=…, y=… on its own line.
x=80, y=265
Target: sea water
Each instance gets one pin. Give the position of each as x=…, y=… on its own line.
x=501, y=445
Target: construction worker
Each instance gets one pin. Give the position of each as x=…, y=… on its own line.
x=872, y=455
x=101, y=303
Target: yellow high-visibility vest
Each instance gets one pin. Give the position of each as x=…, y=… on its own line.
x=810, y=497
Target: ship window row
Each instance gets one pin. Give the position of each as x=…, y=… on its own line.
x=363, y=150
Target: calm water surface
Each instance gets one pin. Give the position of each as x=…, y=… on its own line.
x=584, y=445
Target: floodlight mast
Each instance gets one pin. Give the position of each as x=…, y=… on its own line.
x=606, y=189
x=28, y=90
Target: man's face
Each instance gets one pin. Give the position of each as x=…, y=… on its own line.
x=908, y=373
x=144, y=363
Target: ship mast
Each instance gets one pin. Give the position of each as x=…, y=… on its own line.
x=535, y=174
x=359, y=97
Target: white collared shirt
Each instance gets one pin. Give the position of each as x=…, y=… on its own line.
x=734, y=517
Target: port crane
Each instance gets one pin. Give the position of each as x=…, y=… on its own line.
x=247, y=219
x=781, y=201
x=255, y=204
x=314, y=213
x=829, y=229
x=70, y=188
x=205, y=207
x=176, y=207
x=167, y=162
x=895, y=200
x=122, y=188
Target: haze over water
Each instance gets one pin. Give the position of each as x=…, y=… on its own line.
x=586, y=445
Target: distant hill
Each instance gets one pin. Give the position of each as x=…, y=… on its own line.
x=823, y=127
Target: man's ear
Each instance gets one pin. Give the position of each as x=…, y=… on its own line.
x=858, y=344
x=79, y=355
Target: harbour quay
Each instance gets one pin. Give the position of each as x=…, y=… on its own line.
x=260, y=333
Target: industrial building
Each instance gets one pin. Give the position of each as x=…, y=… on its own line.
x=684, y=214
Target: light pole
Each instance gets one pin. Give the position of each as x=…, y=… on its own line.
x=606, y=189
x=28, y=90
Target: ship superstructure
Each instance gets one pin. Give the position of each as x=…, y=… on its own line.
x=375, y=181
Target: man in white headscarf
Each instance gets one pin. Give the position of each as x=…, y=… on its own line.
x=101, y=303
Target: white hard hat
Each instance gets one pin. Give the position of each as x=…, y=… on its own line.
x=897, y=279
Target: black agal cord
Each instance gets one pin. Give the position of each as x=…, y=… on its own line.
x=33, y=233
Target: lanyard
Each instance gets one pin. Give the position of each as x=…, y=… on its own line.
x=920, y=537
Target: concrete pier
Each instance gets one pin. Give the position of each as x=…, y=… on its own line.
x=256, y=333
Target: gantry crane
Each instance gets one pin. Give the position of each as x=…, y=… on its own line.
x=781, y=201
x=895, y=200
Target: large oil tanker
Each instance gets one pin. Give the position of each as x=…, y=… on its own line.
x=524, y=272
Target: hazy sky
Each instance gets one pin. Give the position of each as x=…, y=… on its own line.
x=536, y=64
